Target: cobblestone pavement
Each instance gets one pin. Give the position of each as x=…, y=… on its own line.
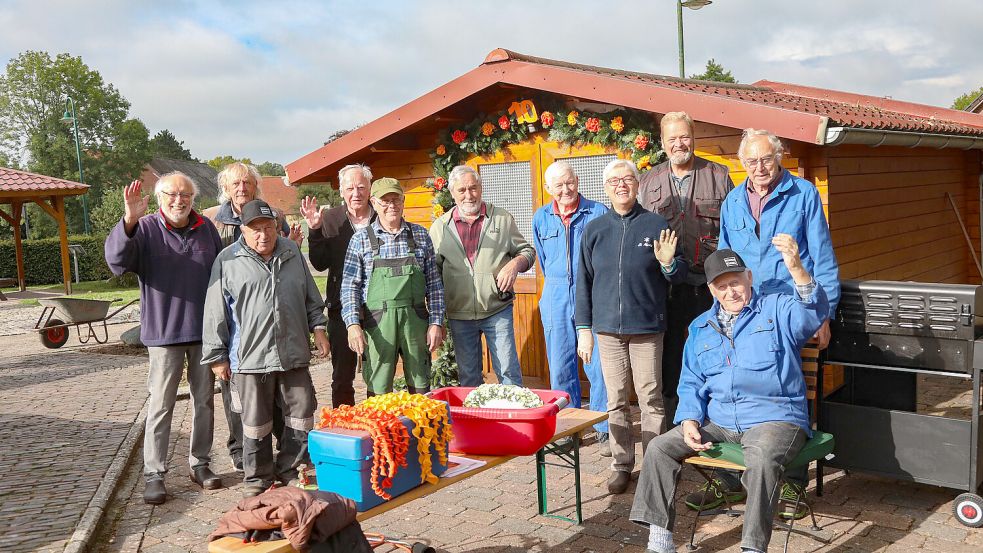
x=63, y=415
x=17, y=319
x=495, y=511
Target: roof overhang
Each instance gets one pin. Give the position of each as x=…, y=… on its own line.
x=873, y=137
x=612, y=89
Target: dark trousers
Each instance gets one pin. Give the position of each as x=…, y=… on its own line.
x=255, y=396
x=343, y=361
x=685, y=303
x=234, y=421
x=768, y=447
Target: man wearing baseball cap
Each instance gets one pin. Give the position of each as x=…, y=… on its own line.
x=261, y=307
x=392, y=297
x=741, y=382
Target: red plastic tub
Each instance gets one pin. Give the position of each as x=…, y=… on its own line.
x=481, y=431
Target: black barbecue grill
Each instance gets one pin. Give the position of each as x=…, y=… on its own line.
x=885, y=334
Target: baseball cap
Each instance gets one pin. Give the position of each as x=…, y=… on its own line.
x=386, y=185
x=721, y=262
x=256, y=209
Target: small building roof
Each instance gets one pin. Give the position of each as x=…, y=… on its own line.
x=20, y=183
x=204, y=175
x=976, y=106
x=791, y=111
x=280, y=195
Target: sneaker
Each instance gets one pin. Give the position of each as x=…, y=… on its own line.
x=791, y=492
x=237, y=462
x=715, y=497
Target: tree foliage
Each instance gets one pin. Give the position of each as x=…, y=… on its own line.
x=271, y=169
x=715, y=72
x=325, y=194
x=219, y=162
x=963, y=101
x=165, y=144
x=33, y=135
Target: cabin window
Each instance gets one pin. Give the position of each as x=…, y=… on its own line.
x=509, y=186
x=589, y=170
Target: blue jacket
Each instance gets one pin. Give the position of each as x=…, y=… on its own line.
x=559, y=256
x=621, y=288
x=794, y=208
x=756, y=376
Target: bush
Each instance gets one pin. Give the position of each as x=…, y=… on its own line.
x=42, y=260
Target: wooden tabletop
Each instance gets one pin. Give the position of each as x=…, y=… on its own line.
x=568, y=422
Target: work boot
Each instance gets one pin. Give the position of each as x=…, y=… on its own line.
x=421, y=391
x=618, y=482
x=155, y=493
x=204, y=477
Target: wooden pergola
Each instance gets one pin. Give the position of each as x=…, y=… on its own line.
x=20, y=187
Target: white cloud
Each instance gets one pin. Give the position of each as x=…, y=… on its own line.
x=272, y=80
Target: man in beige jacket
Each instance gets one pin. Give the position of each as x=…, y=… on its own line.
x=480, y=252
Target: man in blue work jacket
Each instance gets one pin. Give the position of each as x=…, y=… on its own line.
x=741, y=382
x=769, y=202
x=557, y=229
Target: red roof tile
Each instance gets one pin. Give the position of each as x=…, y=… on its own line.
x=12, y=180
x=280, y=195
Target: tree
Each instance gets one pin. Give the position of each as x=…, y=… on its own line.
x=271, y=169
x=715, y=72
x=963, y=101
x=33, y=93
x=219, y=162
x=165, y=144
x=326, y=195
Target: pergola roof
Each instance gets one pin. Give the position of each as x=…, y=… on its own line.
x=20, y=184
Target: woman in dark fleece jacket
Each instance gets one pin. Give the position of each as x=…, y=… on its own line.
x=627, y=259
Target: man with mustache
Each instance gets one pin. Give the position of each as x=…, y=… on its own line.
x=172, y=252
x=480, y=251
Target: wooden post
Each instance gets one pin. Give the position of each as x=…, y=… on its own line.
x=19, y=247
x=66, y=273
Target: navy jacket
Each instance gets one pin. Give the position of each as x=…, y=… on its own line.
x=621, y=288
x=173, y=271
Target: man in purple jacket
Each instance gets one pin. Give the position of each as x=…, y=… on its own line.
x=172, y=252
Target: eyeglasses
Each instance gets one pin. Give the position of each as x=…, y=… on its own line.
x=629, y=180
x=766, y=161
x=172, y=195
x=393, y=202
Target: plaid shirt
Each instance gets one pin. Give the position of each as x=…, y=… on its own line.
x=727, y=320
x=358, y=269
x=470, y=232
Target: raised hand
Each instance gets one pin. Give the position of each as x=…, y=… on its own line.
x=665, y=247
x=311, y=212
x=789, y=249
x=134, y=204
x=296, y=235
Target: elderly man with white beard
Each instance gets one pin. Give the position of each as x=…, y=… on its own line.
x=172, y=252
x=478, y=281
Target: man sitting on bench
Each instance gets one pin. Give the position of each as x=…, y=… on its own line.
x=741, y=382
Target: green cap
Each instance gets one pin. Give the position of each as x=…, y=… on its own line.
x=384, y=186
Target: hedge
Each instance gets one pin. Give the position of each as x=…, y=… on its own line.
x=42, y=259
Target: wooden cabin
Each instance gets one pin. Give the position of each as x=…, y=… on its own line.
x=893, y=175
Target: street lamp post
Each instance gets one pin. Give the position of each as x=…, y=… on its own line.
x=69, y=117
x=693, y=5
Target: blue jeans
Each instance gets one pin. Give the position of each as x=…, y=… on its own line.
x=561, y=353
x=499, y=335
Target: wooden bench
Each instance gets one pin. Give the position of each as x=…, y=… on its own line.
x=4, y=283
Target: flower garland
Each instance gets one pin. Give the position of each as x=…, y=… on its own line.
x=633, y=132
x=431, y=425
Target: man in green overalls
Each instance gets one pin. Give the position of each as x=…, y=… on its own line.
x=392, y=297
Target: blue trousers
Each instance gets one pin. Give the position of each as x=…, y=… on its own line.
x=561, y=353
x=499, y=334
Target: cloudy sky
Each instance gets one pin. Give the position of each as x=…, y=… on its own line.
x=271, y=80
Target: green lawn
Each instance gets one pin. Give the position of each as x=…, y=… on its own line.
x=101, y=290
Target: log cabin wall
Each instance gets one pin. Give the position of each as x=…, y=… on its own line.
x=890, y=218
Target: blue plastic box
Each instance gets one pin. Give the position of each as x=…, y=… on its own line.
x=343, y=461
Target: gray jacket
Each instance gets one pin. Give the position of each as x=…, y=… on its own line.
x=259, y=314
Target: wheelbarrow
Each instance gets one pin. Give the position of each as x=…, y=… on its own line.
x=79, y=312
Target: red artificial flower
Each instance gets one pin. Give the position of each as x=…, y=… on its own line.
x=641, y=142
x=459, y=136
x=439, y=183
x=547, y=119
x=503, y=122
x=593, y=124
